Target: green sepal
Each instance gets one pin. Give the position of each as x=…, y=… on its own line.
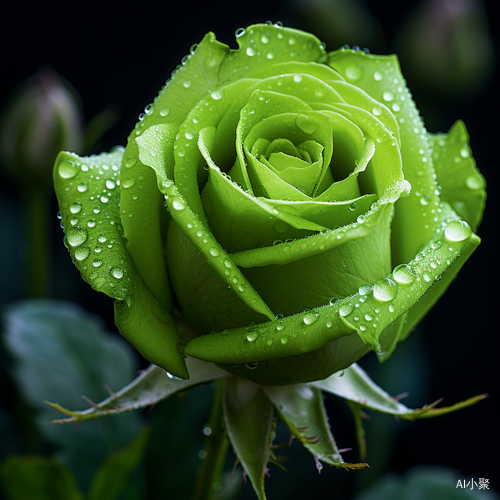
x=354, y=384
x=250, y=426
x=150, y=387
x=462, y=185
x=301, y=408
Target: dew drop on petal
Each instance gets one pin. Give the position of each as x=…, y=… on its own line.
x=311, y=318
x=403, y=274
x=81, y=253
x=117, y=272
x=457, y=230
x=75, y=208
x=67, y=169
x=76, y=236
x=385, y=290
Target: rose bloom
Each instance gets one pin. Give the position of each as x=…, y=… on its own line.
x=278, y=210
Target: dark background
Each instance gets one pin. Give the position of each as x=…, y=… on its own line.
x=121, y=55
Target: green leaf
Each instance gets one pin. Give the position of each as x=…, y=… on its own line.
x=37, y=478
x=112, y=477
x=61, y=352
x=463, y=186
x=150, y=387
x=301, y=408
x=89, y=199
x=355, y=385
x=250, y=423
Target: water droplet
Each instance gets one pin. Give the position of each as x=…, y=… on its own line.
x=117, y=272
x=76, y=236
x=81, y=253
x=128, y=182
x=457, y=230
x=377, y=110
x=388, y=96
x=91, y=223
x=239, y=32
x=334, y=300
x=436, y=244
x=353, y=206
x=75, y=208
x=474, y=182
x=82, y=187
x=364, y=289
x=345, y=310
x=311, y=318
x=104, y=199
x=101, y=238
x=67, y=169
x=297, y=78
x=187, y=84
x=377, y=76
x=178, y=204
x=284, y=340
x=164, y=112
x=306, y=124
x=248, y=366
x=131, y=161
x=97, y=263
x=353, y=72
x=464, y=152
x=214, y=252
x=426, y=277
x=403, y=274
x=110, y=184
x=385, y=290
x=217, y=94
x=252, y=336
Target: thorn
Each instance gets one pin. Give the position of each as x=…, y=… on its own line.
x=234, y=469
x=77, y=426
x=110, y=391
x=364, y=415
x=313, y=439
x=90, y=402
x=151, y=407
x=319, y=465
x=344, y=450
x=401, y=396
x=266, y=471
x=290, y=439
x=244, y=476
x=303, y=429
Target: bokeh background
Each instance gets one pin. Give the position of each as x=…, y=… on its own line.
x=117, y=57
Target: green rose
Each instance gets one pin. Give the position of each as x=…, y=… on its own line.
x=279, y=211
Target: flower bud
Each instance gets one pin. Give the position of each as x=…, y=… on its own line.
x=42, y=117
